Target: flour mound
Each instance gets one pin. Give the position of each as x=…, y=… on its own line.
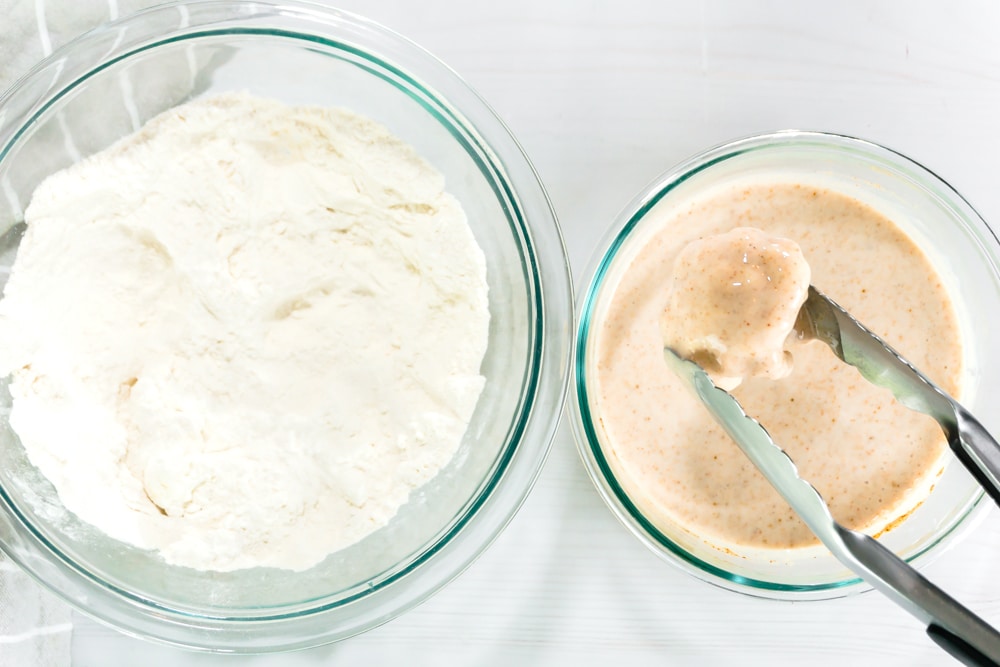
x=243, y=335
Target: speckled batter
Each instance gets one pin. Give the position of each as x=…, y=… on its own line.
x=871, y=459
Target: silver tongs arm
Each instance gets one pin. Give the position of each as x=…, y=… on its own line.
x=821, y=318
x=952, y=626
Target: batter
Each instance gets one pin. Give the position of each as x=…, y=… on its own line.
x=871, y=459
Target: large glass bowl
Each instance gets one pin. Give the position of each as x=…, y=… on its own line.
x=955, y=239
x=107, y=83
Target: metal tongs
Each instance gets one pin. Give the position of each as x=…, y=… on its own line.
x=824, y=320
x=952, y=626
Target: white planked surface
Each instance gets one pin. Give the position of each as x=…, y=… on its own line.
x=604, y=96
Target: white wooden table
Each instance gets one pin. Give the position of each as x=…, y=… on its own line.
x=604, y=96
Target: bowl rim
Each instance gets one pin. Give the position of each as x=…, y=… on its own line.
x=589, y=291
x=549, y=292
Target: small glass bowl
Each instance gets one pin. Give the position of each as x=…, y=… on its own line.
x=956, y=240
x=106, y=84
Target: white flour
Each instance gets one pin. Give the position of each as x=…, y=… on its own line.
x=243, y=335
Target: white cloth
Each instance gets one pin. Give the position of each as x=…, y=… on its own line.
x=35, y=628
x=33, y=28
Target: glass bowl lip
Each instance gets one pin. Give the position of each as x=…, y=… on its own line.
x=588, y=292
x=531, y=432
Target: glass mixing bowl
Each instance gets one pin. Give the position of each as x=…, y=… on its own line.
x=957, y=242
x=106, y=84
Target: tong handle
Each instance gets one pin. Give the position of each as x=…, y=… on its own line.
x=958, y=648
x=955, y=628
x=951, y=625
x=976, y=449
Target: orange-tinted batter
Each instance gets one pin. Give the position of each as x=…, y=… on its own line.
x=871, y=459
